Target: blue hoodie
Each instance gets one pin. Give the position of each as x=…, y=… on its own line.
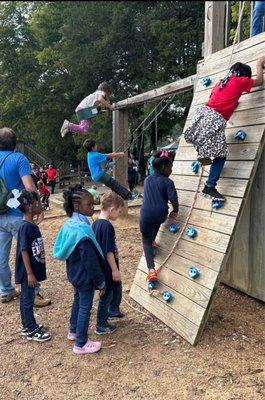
x=76, y=244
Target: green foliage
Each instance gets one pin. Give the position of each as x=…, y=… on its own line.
x=245, y=20
x=53, y=54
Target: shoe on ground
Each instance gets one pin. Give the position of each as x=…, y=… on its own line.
x=89, y=348
x=205, y=160
x=212, y=193
x=104, y=330
x=38, y=335
x=71, y=336
x=64, y=128
x=40, y=301
x=5, y=298
x=116, y=314
x=24, y=331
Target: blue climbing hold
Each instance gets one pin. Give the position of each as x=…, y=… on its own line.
x=174, y=228
x=195, y=165
x=217, y=203
x=152, y=285
x=167, y=296
x=240, y=135
x=206, y=81
x=191, y=232
x=194, y=272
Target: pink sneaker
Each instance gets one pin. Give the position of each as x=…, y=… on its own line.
x=71, y=336
x=88, y=348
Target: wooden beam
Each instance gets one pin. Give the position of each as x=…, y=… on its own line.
x=120, y=143
x=180, y=86
x=214, y=29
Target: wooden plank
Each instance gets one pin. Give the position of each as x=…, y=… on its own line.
x=181, y=266
x=247, y=52
x=182, y=85
x=236, y=151
x=120, y=142
x=162, y=311
x=232, y=169
x=206, y=237
x=207, y=219
x=248, y=101
x=240, y=118
x=231, y=206
x=254, y=134
x=214, y=27
x=181, y=303
x=228, y=187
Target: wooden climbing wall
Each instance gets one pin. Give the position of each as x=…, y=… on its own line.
x=187, y=313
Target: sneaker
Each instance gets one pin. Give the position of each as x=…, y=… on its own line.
x=71, y=336
x=116, y=314
x=89, y=348
x=5, y=298
x=205, y=160
x=38, y=335
x=103, y=330
x=212, y=193
x=64, y=128
x=40, y=301
x=24, y=331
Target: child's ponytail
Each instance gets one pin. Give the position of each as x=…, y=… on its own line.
x=238, y=69
x=72, y=195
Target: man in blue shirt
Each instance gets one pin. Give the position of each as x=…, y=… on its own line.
x=99, y=174
x=15, y=171
x=258, y=15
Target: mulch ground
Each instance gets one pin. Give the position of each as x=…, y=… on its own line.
x=143, y=359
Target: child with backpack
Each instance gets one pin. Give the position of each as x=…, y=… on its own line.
x=87, y=110
x=85, y=264
x=207, y=132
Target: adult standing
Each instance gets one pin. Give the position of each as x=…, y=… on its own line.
x=52, y=176
x=258, y=15
x=15, y=172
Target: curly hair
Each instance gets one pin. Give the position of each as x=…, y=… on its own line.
x=72, y=195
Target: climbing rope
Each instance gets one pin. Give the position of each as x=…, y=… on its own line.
x=184, y=226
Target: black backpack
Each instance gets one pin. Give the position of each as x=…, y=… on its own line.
x=4, y=192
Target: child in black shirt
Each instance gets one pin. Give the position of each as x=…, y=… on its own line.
x=109, y=304
x=30, y=264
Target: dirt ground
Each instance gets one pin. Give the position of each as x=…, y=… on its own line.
x=143, y=359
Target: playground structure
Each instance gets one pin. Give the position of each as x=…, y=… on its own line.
x=229, y=244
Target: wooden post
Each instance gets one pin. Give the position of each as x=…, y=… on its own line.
x=214, y=28
x=120, y=143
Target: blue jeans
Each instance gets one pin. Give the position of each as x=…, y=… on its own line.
x=116, y=298
x=103, y=308
x=9, y=225
x=80, y=315
x=215, y=172
x=258, y=14
x=26, y=305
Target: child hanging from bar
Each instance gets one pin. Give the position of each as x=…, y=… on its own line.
x=88, y=109
x=207, y=132
x=99, y=174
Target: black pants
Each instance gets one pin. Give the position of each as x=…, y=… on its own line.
x=52, y=185
x=131, y=185
x=149, y=231
x=115, y=186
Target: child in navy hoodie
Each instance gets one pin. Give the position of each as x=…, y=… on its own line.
x=86, y=267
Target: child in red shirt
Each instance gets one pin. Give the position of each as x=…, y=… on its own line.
x=44, y=195
x=207, y=132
